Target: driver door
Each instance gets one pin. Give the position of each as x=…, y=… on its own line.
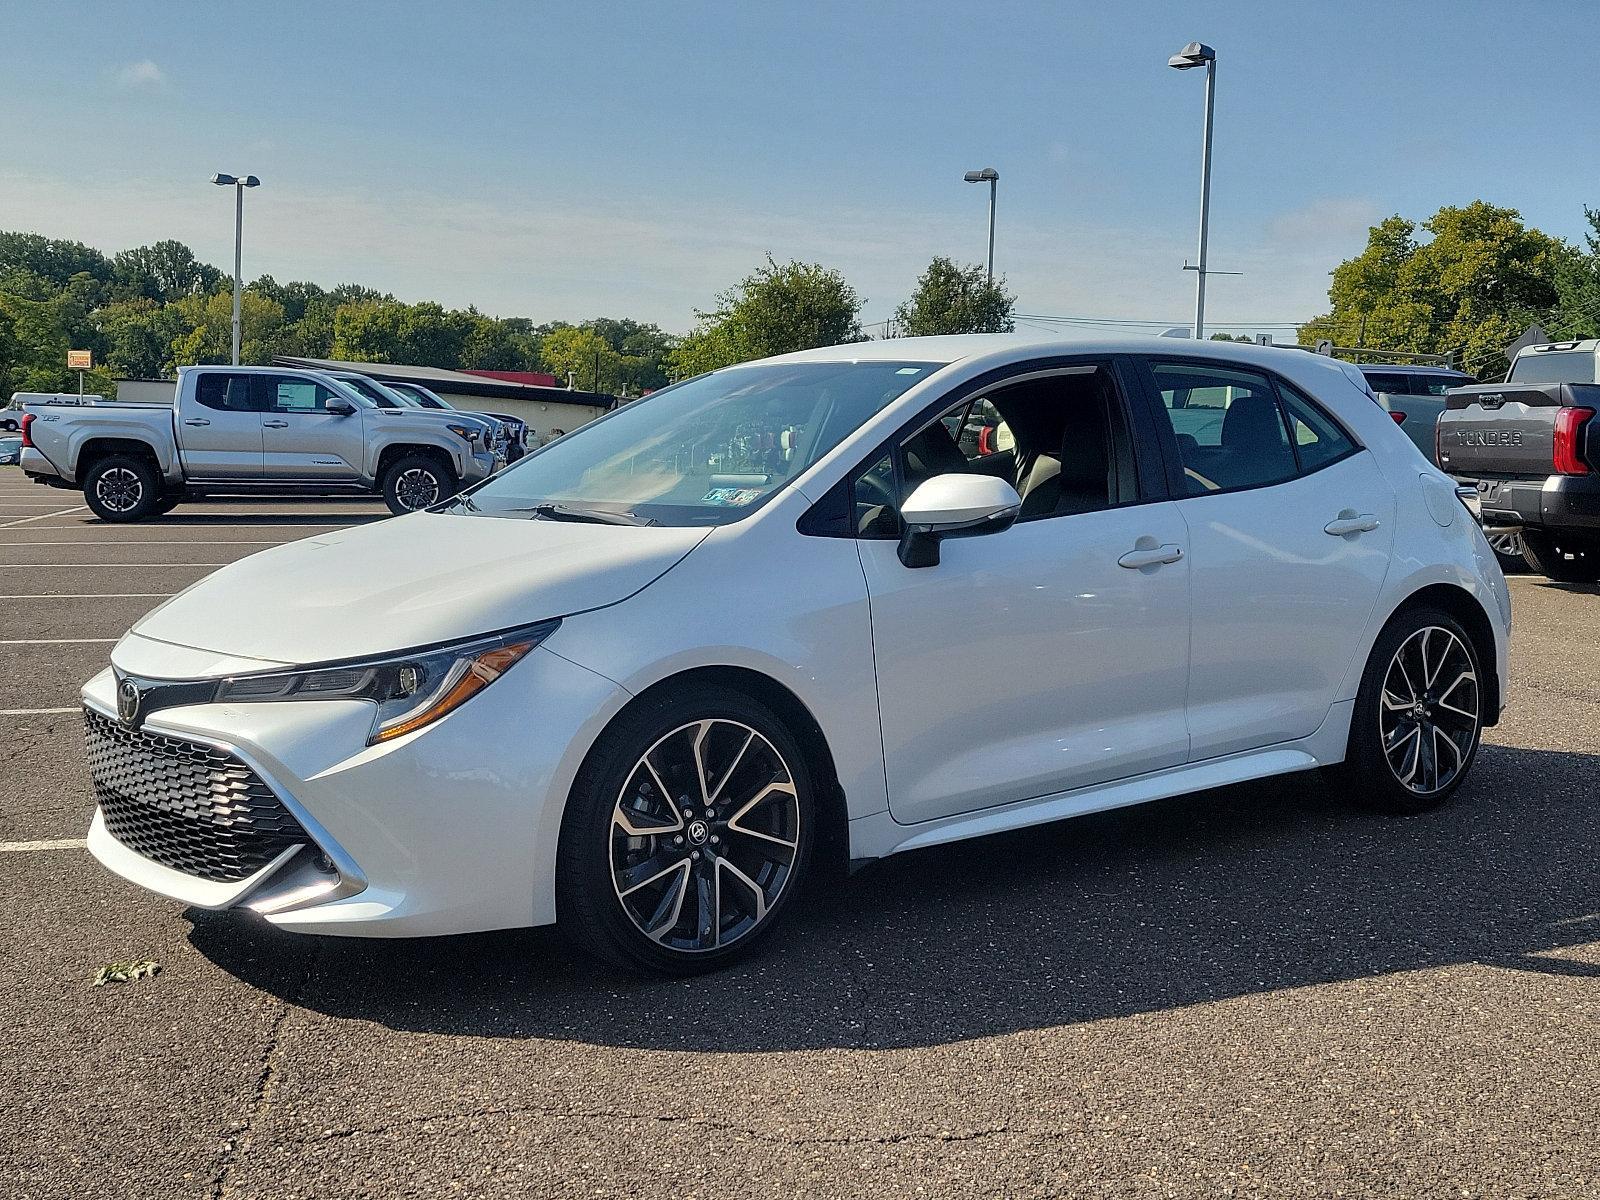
x=1036, y=660
x=301, y=439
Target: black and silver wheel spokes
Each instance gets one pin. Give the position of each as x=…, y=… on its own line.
x=119, y=489
x=704, y=835
x=416, y=489
x=1428, y=718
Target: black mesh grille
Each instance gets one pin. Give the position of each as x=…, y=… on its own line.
x=184, y=805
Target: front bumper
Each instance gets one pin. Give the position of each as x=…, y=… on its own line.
x=451, y=829
x=1559, y=502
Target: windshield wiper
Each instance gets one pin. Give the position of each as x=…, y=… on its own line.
x=594, y=516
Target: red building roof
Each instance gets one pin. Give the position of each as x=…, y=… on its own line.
x=531, y=378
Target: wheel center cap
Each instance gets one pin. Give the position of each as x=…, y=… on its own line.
x=1419, y=710
x=697, y=833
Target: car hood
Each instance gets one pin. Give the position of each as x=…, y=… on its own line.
x=407, y=582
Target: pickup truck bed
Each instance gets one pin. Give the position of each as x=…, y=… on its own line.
x=1532, y=452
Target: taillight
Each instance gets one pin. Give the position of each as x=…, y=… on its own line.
x=1566, y=455
x=1399, y=417
x=27, y=420
x=1438, y=442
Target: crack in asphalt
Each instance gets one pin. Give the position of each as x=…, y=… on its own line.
x=614, y=1114
x=236, y=1146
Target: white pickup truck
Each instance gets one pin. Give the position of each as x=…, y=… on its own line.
x=250, y=429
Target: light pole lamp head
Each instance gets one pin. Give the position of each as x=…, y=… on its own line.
x=239, y=180
x=987, y=175
x=1195, y=54
x=224, y=180
x=250, y=181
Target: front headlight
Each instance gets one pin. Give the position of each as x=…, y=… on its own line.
x=411, y=689
x=465, y=432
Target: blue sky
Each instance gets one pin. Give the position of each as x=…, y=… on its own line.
x=571, y=160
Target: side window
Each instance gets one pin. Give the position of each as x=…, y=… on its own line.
x=286, y=394
x=1060, y=439
x=1318, y=441
x=1229, y=429
x=224, y=392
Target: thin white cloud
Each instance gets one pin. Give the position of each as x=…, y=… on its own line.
x=659, y=262
x=142, y=74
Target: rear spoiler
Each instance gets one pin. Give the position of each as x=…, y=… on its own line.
x=1534, y=395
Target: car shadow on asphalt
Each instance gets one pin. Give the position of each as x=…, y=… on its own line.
x=1248, y=889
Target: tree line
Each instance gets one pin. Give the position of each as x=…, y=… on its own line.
x=1465, y=282
x=144, y=312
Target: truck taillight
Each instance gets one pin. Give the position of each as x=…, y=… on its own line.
x=1567, y=454
x=27, y=420
x=1438, y=442
x=1399, y=417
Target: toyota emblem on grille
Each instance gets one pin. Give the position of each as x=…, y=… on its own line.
x=128, y=699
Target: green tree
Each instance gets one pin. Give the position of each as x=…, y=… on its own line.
x=206, y=329
x=775, y=310
x=165, y=271
x=56, y=261
x=589, y=358
x=138, y=336
x=1469, y=289
x=1577, y=309
x=954, y=299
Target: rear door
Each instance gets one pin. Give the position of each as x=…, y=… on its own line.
x=302, y=439
x=219, y=427
x=1289, y=523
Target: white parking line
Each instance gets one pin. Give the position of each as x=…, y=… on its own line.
x=58, y=641
x=61, y=844
x=90, y=596
x=34, y=712
x=44, y=516
x=150, y=542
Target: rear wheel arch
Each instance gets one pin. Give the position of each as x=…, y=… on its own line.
x=1466, y=609
x=95, y=449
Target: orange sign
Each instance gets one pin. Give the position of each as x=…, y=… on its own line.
x=80, y=360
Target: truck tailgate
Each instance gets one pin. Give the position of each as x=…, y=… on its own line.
x=1507, y=431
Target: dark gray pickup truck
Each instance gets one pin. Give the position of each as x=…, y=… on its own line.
x=1531, y=451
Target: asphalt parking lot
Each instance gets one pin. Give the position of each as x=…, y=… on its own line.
x=1256, y=991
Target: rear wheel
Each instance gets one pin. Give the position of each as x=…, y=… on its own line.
x=1508, y=552
x=1564, y=559
x=1418, y=715
x=687, y=833
x=417, y=481
x=121, y=488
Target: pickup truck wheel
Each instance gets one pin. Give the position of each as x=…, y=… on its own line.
x=1561, y=559
x=1508, y=553
x=122, y=488
x=416, y=481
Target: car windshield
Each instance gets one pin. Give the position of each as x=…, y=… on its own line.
x=1553, y=366
x=705, y=452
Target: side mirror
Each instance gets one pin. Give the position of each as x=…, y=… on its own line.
x=339, y=408
x=951, y=506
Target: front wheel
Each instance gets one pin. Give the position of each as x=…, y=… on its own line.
x=414, y=482
x=121, y=488
x=1418, y=715
x=687, y=834
x=1563, y=559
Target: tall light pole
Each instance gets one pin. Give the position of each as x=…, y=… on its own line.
x=992, y=177
x=1197, y=54
x=238, y=183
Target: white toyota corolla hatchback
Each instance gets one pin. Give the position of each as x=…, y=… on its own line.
x=801, y=612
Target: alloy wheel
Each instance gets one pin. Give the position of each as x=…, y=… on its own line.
x=119, y=489
x=1429, y=716
x=704, y=835
x=417, y=488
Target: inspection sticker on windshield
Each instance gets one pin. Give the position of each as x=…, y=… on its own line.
x=734, y=497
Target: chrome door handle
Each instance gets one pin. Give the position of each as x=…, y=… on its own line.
x=275, y=424
x=1350, y=521
x=197, y=421
x=1158, y=556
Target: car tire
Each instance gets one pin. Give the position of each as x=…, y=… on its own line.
x=121, y=488
x=414, y=482
x=649, y=883
x=1561, y=559
x=1418, y=717
x=1508, y=552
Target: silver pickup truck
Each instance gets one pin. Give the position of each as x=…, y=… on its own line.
x=249, y=429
